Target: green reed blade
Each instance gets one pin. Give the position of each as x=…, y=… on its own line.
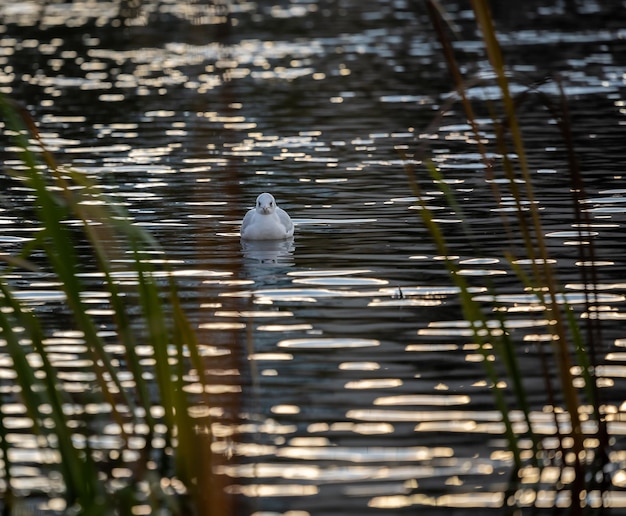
x=8, y=495
x=585, y=348
x=484, y=19
x=471, y=312
x=505, y=351
x=116, y=222
x=169, y=373
x=31, y=392
x=541, y=279
x=59, y=248
x=80, y=479
x=158, y=334
x=53, y=208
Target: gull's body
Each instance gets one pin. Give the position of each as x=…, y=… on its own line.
x=266, y=221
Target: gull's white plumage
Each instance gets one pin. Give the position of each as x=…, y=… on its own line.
x=266, y=221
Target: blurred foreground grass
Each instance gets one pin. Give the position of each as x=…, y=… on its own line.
x=581, y=457
x=175, y=476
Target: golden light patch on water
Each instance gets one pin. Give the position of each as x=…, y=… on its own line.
x=56, y=504
x=309, y=441
x=221, y=431
x=461, y=500
x=460, y=331
x=457, y=426
x=362, y=428
x=205, y=350
x=619, y=479
x=328, y=343
x=285, y=409
x=424, y=399
x=540, y=337
x=284, y=327
x=434, y=332
x=485, y=499
x=33, y=455
x=18, y=423
x=401, y=415
x=340, y=280
x=501, y=456
x=234, y=282
x=261, y=490
x=569, y=298
x=100, y=312
x=269, y=427
x=198, y=388
x=376, y=383
x=617, y=427
x=359, y=366
x=365, y=454
x=211, y=305
x=419, y=348
x=39, y=296
x=608, y=315
x=404, y=302
x=453, y=481
x=349, y=426
x=481, y=272
x=494, y=326
x=571, y=234
x=612, y=371
x=531, y=261
x=221, y=326
x=202, y=411
x=270, y=356
x=269, y=470
x=479, y=261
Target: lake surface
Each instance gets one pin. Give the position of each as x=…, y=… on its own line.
x=346, y=380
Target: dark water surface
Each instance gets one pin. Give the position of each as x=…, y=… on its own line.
x=346, y=381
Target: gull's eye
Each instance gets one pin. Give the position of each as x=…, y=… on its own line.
x=271, y=203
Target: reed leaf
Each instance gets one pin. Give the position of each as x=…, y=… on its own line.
x=80, y=479
x=61, y=196
x=472, y=312
x=569, y=346
x=544, y=276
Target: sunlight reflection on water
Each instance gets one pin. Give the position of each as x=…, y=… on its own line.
x=355, y=355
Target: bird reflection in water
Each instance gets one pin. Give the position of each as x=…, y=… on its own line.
x=272, y=252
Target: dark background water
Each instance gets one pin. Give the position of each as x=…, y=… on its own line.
x=345, y=380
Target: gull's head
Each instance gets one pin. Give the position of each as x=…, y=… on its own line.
x=265, y=204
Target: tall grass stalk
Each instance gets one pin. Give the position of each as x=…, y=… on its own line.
x=569, y=346
x=63, y=198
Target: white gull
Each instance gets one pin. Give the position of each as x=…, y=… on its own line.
x=266, y=221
